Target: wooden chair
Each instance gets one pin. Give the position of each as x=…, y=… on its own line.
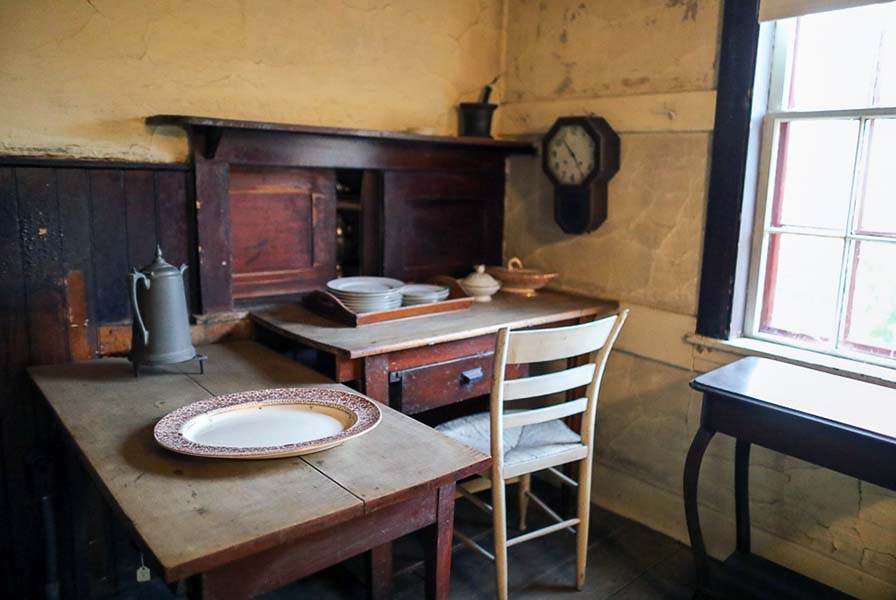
x=524, y=441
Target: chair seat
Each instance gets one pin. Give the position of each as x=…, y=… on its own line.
x=521, y=444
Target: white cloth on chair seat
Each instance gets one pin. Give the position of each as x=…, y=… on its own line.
x=521, y=444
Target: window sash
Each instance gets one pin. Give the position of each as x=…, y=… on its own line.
x=763, y=228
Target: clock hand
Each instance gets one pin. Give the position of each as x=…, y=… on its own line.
x=574, y=158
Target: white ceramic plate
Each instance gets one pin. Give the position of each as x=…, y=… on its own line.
x=364, y=294
x=416, y=301
x=364, y=285
x=267, y=423
x=370, y=299
x=424, y=289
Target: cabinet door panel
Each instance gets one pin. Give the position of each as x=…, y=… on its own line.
x=440, y=223
x=283, y=230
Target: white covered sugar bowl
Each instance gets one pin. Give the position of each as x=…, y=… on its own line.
x=480, y=285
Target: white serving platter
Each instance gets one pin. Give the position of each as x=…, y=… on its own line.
x=271, y=423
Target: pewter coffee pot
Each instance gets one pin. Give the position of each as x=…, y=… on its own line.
x=161, y=325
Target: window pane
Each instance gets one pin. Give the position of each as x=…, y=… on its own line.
x=800, y=297
x=814, y=173
x=835, y=59
x=886, y=85
x=877, y=212
x=871, y=304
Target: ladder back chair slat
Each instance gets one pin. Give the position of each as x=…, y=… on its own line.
x=545, y=413
x=550, y=383
x=543, y=345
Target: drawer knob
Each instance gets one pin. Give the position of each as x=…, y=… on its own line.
x=471, y=376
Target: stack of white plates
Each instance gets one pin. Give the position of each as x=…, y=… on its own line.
x=367, y=294
x=422, y=293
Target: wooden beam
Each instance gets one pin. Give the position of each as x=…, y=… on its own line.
x=737, y=67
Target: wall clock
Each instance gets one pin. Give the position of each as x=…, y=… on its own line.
x=580, y=155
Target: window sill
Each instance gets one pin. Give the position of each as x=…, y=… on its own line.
x=806, y=358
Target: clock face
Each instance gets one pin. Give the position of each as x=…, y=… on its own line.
x=571, y=154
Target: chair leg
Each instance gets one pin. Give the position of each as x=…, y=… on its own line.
x=499, y=526
x=584, y=510
x=525, y=486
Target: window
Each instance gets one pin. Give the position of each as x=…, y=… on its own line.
x=823, y=263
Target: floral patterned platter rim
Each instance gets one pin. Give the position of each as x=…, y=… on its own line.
x=365, y=413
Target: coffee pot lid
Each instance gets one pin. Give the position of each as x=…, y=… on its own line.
x=159, y=267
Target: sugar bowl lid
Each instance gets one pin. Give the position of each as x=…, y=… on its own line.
x=479, y=278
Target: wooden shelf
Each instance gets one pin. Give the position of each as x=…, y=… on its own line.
x=215, y=124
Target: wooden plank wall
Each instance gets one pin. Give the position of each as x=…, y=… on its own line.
x=69, y=232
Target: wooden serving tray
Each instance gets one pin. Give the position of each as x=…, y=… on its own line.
x=327, y=305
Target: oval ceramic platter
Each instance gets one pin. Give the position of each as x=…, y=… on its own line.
x=272, y=423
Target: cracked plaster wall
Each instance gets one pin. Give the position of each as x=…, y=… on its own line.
x=78, y=77
x=629, y=60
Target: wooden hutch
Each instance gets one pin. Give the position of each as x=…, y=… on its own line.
x=269, y=196
x=281, y=209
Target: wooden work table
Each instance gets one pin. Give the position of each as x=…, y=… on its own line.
x=236, y=528
x=425, y=362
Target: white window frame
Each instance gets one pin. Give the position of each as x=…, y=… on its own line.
x=776, y=70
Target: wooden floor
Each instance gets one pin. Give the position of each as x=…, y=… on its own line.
x=626, y=561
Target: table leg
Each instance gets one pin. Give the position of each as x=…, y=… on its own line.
x=376, y=377
x=379, y=568
x=742, y=494
x=437, y=548
x=691, y=476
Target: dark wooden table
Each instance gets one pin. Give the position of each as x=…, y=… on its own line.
x=838, y=423
x=425, y=362
x=233, y=529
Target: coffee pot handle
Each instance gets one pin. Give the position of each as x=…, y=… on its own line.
x=134, y=276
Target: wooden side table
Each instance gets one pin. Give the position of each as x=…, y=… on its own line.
x=834, y=422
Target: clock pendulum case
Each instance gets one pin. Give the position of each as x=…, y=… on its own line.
x=580, y=155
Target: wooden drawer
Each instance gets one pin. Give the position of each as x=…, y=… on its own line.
x=430, y=386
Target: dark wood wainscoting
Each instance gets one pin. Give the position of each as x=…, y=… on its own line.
x=69, y=232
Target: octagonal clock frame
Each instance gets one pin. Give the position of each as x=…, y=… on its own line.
x=582, y=207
